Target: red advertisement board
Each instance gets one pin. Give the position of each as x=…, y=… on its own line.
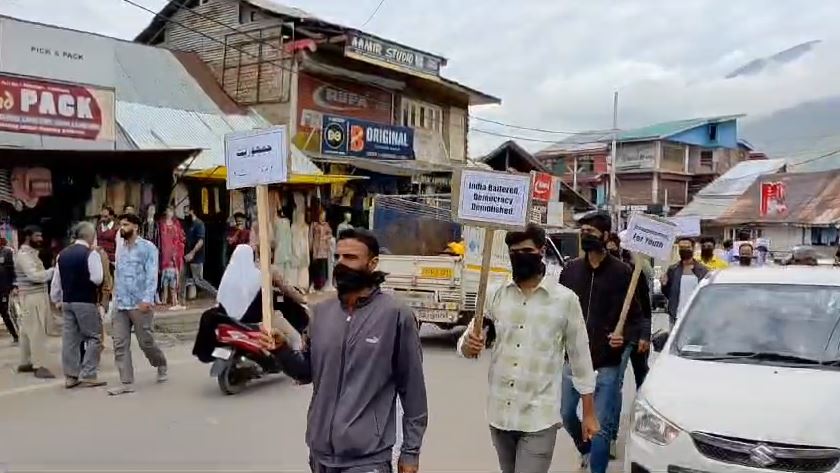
x=56, y=109
x=542, y=187
x=772, y=199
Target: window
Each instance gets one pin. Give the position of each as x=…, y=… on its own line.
x=707, y=159
x=198, y=3
x=247, y=14
x=713, y=132
x=585, y=165
x=417, y=114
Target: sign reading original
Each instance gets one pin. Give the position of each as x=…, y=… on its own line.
x=351, y=137
x=378, y=51
x=56, y=109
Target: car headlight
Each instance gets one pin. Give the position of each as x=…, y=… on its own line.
x=651, y=426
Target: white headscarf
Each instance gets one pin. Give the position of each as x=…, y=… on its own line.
x=240, y=283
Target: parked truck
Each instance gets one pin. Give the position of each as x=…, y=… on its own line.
x=441, y=288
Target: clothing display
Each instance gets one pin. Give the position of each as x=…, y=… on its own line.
x=147, y=196
x=205, y=200
x=149, y=229
x=10, y=234
x=134, y=191
x=237, y=202
x=116, y=195
x=300, y=243
x=6, y=192
x=180, y=199
x=320, y=236
x=283, y=248
x=98, y=197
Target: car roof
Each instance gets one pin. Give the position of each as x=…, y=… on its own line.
x=808, y=275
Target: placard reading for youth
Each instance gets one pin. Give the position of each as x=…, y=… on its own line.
x=256, y=157
x=650, y=236
x=493, y=199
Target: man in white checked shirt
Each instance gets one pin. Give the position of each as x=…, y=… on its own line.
x=536, y=322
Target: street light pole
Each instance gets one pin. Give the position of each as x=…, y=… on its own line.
x=614, y=208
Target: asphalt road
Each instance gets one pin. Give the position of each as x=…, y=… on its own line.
x=188, y=425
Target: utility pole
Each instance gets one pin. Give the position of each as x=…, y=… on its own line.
x=614, y=208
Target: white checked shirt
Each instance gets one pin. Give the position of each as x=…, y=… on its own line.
x=533, y=334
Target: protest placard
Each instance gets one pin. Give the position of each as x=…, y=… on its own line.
x=688, y=226
x=256, y=158
x=645, y=235
x=492, y=200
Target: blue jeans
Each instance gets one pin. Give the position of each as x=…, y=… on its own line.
x=606, y=386
x=619, y=395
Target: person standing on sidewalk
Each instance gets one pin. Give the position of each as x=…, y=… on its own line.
x=601, y=282
x=536, y=323
x=75, y=288
x=134, y=293
x=194, y=256
x=7, y=286
x=32, y=281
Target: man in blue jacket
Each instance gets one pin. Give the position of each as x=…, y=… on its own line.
x=363, y=350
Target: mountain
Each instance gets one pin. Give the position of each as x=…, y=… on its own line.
x=788, y=55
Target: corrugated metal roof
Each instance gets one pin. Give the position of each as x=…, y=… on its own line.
x=810, y=198
x=660, y=131
x=281, y=9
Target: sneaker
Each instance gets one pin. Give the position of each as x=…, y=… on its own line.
x=613, y=450
x=584, y=461
x=71, y=382
x=43, y=373
x=25, y=369
x=91, y=383
x=162, y=375
x=121, y=389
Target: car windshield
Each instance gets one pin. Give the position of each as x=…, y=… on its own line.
x=779, y=324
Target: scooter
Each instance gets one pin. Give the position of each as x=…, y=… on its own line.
x=240, y=358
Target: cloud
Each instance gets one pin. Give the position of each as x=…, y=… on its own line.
x=556, y=64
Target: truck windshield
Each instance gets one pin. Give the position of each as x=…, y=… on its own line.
x=762, y=323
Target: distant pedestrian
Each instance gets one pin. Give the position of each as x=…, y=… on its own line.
x=707, y=254
x=238, y=234
x=32, y=280
x=7, y=287
x=172, y=241
x=682, y=278
x=194, y=256
x=536, y=323
x=106, y=234
x=75, y=288
x=134, y=297
x=729, y=253
x=745, y=254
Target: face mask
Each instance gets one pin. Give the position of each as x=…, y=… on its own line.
x=616, y=253
x=591, y=243
x=127, y=234
x=707, y=253
x=348, y=279
x=745, y=260
x=188, y=218
x=526, y=265
x=686, y=254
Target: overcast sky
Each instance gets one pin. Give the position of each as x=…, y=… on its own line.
x=556, y=63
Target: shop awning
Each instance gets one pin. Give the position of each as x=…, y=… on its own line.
x=220, y=173
x=407, y=168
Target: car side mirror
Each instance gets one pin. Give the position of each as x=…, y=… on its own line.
x=658, y=340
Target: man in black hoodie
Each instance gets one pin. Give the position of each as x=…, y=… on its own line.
x=600, y=282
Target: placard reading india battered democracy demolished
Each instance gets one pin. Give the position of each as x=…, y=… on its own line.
x=493, y=199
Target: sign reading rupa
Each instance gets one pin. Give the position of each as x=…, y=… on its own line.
x=650, y=236
x=492, y=199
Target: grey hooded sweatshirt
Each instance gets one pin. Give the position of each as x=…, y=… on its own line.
x=358, y=362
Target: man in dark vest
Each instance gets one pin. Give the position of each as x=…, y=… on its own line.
x=75, y=288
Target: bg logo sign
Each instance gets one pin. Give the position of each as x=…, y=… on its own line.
x=335, y=136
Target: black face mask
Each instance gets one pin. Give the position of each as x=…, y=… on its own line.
x=616, y=253
x=707, y=253
x=686, y=254
x=745, y=260
x=591, y=243
x=526, y=266
x=349, y=280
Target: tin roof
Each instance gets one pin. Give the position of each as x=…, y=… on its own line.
x=716, y=198
x=811, y=199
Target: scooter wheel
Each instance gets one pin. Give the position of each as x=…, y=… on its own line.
x=232, y=380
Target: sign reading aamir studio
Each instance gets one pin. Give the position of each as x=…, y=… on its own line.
x=363, y=139
x=378, y=51
x=56, y=109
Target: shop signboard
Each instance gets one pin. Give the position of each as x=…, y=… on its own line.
x=344, y=136
x=257, y=157
x=41, y=51
x=391, y=55
x=336, y=97
x=51, y=108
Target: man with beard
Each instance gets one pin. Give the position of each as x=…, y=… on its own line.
x=134, y=296
x=32, y=281
x=680, y=280
x=363, y=350
x=194, y=256
x=601, y=282
x=745, y=254
x=536, y=323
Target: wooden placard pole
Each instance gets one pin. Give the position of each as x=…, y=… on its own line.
x=263, y=222
x=631, y=292
x=481, y=296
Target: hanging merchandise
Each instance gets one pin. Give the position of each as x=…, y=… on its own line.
x=9, y=233
x=147, y=194
x=205, y=201
x=180, y=199
x=300, y=243
x=283, y=248
x=98, y=197
x=117, y=194
x=134, y=193
x=6, y=193
x=237, y=202
x=217, y=203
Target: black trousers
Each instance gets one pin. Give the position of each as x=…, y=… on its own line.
x=7, y=318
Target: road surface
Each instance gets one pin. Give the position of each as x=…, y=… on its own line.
x=188, y=425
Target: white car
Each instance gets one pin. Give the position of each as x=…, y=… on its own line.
x=749, y=380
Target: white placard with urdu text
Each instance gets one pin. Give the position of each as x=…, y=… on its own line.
x=257, y=157
x=688, y=226
x=650, y=236
x=493, y=198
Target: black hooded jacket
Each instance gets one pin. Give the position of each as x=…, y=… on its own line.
x=601, y=292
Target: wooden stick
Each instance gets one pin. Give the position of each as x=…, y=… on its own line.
x=486, y=262
x=265, y=255
x=631, y=292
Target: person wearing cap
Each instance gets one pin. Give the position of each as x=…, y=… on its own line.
x=601, y=282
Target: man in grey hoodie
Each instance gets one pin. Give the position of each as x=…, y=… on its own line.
x=362, y=351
